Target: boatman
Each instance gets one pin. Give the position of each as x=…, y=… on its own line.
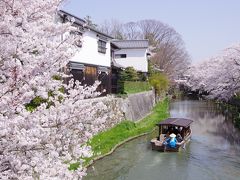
x=172, y=142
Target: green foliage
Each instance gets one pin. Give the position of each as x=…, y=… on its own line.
x=160, y=82
x=57, y=77
x=37, y=101
x=50, y=94
x=120, y=84
x=129, y=74
x=150, y=68
x=131, y=87
x=138, y=80
x=104, y=142
x=142, y=76
x=61, y=89
x=60, y=98
x=74, y=166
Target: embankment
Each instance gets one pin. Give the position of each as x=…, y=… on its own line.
x=106, y=142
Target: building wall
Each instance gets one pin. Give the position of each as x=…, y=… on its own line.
x=136, y=58
x=89, y=54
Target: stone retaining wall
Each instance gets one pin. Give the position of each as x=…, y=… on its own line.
x=137, y=106
x=134, y=107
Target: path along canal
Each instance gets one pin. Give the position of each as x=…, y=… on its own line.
x=212, y=154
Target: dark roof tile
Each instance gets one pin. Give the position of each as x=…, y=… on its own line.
x=131, y=44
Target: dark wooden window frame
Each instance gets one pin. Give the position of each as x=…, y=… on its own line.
x=102, y=46
x=121, y=56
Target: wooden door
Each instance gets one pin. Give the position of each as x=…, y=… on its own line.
x=90, y=75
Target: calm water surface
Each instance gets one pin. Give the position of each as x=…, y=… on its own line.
x=212, y=154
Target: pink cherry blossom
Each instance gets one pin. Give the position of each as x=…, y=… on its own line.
x=38, y=144
x=219, y=76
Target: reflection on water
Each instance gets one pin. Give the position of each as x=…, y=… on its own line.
x=213, y=153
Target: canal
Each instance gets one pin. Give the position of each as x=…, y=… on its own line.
x=212, y=154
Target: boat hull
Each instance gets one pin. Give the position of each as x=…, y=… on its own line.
x=157, y=145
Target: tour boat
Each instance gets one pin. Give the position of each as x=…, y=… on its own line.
x=172, y=127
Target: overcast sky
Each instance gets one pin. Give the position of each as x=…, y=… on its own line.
x=206, y=26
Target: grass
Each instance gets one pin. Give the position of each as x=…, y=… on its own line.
x=131, y=87
x=105, y=141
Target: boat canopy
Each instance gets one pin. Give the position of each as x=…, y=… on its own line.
x=176, y=122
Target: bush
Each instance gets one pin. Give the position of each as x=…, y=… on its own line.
x=160, y=82
x=142, y=76
x=120, y=84
x=129, y=74
x=151, y=70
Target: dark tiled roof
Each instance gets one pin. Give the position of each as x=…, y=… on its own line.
x=77, y=20
x=81, y=22
x=176, y=122
x=126, y=44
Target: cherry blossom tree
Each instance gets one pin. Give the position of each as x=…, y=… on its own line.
x=219, y=76
x=42, y=143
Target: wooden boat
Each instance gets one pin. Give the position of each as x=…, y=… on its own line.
x=177, y=126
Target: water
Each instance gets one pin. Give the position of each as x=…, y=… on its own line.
x=212, y=154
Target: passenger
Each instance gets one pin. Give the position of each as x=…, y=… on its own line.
x=171, y=130
x=180, y=129
x=166, y=135
x=176, y=131
x=172, y=141
x=179, y=138
x=166, y=138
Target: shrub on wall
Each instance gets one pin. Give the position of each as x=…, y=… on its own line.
x=160, y=82
x=129, y=74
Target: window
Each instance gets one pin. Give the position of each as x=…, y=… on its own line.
x=76, y=65
x=102, y=46
x=120, y=56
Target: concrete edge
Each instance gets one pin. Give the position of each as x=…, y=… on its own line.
x=116, y=146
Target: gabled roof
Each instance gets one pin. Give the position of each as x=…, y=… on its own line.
x=131, y=44
x=176, y=122
x=78, y=20
x=82, y=22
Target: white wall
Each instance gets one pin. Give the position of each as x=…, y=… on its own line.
x=136, y=58
x=89, y=52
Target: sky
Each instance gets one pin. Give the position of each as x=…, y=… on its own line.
x=206, y=26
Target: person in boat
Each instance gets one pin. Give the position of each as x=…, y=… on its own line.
x=166, y=136
x=179, y=138
x=175, y=130
x=170, y=130
x=172, y=141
